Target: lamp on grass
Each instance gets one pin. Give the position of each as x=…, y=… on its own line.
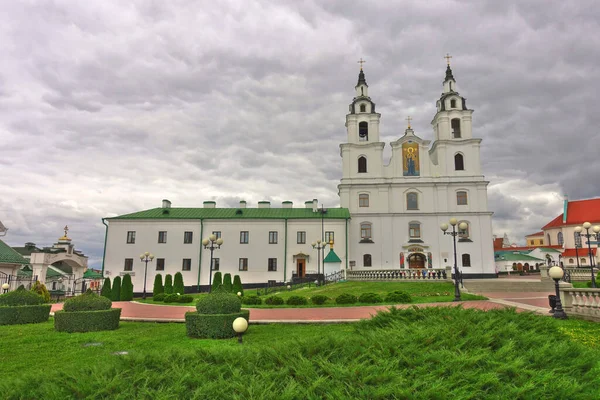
x=5, y=287
x=146, y=258
x=211, y=244
x=240, y=325
x=557, y=273
x=462, y=227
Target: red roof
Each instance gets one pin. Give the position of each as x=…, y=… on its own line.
x=498, y=243
x=554, y=246
x=582, y=252
x=540, y=233
x=578, y=212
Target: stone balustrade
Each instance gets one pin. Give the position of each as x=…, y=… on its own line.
x=576, y=274
x=584, y=303
x=387, y=275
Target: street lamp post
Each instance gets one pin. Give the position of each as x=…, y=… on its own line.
x=557, y=273
x=462, y=226
x=588, y=235
x=146, y=258
x=5, y=287
x=211, y=243
x=318, y=245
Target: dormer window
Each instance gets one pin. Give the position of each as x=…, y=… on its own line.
x=363, y=131
x=363, y=108
x=453, y=103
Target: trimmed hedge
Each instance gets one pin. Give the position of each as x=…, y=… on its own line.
x=237, y=285
x=219, y=302
x=159, y=297
x=398, y=297
x=20, y=297
x=87, y=321
x=88, y=301
x=106, y=290
x=216, y=281
x=178, y=286
x=186, y=298
x=346, y=298
x=168, y=289
x=274, y=301
x=227, y=285
x=126, y=288
x=251, y=300
x=158, y=286
x=29, y=314
x=171, y=298
x=370, y=298
x=319, y=299
x=115, y=294
x=296, y=301
x=213, y=326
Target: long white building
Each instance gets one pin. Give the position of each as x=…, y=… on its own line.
x=390, y=214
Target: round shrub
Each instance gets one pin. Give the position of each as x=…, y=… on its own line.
x=171, y=298
x=89, y=301
x=20, y=297
x=186, y=298
x=159, y=297
x=296, y=301
x=274, y=301
x=398, y=297
x=40, y=289
x=219, y=302
x=251, y=300
x=370, y=298
x=319, y=299
x=346, y=298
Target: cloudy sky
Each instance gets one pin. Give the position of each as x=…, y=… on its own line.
x=107, y=107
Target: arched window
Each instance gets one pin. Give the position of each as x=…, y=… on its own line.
x=366, y=260
x=455, y=124
x=363, y=200
x=570, y=261
x=363, y=131
x=365, y=231
x=459, y=162
x=363, y=108
x=412, y=201
x=453, y=103
x=414, y=230
x=466, y=260
x=559, y=237
x=583, y=260
x=362, y=164
x=577, y=239
x=461, y=198
x=464, y=234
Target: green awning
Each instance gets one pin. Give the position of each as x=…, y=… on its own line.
x=332, y=257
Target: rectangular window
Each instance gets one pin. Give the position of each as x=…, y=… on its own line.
x=160, y=264
x=162, y=237
x=329, y=237
x=244, y=237
x=363, y=200
x=130, y=237
x=187, y=237
x=466, y=260
x=365, y=231
x=463, y=234
x=461, y=198
x=414, y=230
x=272, y=237
x=186, y=265
x=366, y=260
x=272, y=264
x=243, y=264
x=412, y=201
x=128, y=264
x=215, y=264
x=217, y=234
x=301, y=237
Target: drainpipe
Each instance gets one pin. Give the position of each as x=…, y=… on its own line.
x=105, y=237
x=200, y=254
x=347, y=255
x=285, y=252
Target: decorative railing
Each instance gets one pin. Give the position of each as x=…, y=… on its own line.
x=398, y=275
x=573, y=274
x=581, y=302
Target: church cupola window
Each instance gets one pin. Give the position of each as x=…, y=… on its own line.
x=363, y=131
x=412, y=201
x=455, y=123
x=363, y=108
x=362, y=164
x=453, y=103
x=459, y=162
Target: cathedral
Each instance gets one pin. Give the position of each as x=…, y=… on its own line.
x=389, y=219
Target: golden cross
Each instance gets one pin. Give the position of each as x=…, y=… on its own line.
x=66, y=229
x=448, y=57
x=361, y=62
x=409, y=118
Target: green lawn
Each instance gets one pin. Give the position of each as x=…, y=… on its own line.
x=433, y=353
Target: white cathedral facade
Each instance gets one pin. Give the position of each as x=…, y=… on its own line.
x=389, y=218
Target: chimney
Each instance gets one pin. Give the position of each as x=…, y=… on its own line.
x=315, y=205
x=242, y=203
x=565, y=208
x=308, y=204
x=210, y=204
x=287, y=204
x=264, y=204
x=166, y=203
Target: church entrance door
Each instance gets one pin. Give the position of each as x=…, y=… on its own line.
x=300, y=267
x=416, y=260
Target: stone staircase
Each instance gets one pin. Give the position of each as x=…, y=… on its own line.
x=507, y=285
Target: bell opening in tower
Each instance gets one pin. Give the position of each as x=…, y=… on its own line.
x=363, y=131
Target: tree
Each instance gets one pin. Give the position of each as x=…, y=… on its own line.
x=116, y=289
x=216, y=281
x=237, y=285
x=126, y=289
x=168, y=284
x=178, y=284
x=227, y=286
x=40, y=289
x=158, y=285
x=106, y=291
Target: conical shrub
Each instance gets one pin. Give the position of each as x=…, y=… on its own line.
x=217, y=281
x=237, y=285
x=158, y=285
x=116, y=289
x=168, y=284
x=178, y=284
x=127, y=288
x=106, y=291
x=227, y=285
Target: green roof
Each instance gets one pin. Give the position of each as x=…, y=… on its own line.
x=516, y=257
x=52, y=273
x=332, y=257
x=10, y=256
x=92, y=274
x=236, y=213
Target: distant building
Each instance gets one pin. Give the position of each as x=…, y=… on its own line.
x=535, y=239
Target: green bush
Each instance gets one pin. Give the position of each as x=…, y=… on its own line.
x=213, y=326
x=20, y=297
x=158, y=285
x=274, y=301
x=116, y=289
x=398, y=297
x=40, y=289
x=88, y=301
x=168, y=284
x=216, y=281
x=219, y=303
x=106, y=290
x=251, y=300
x=346, y=298
x=296, y=301
x=178, y=284
x=370, y=298
x=126, y=288
x=237, y=285
x=227, y=285
x=28, y=314
x=186, y=298
x=319, y=299
x=87, y=321
x=171, y=298
x=159, y=297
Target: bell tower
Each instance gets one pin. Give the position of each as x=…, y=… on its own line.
x=362, y=123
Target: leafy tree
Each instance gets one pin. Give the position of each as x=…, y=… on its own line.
x=178, y=284
x=40, y=289
x=168, y=284
x=106, y=291
x=126, y=289
x=158, y=285
x=227, y=283
x=237, y=285
x=116, y=289
x=216, y=281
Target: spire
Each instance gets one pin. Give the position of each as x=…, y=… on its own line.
x=361, y=78
x=449, y=74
